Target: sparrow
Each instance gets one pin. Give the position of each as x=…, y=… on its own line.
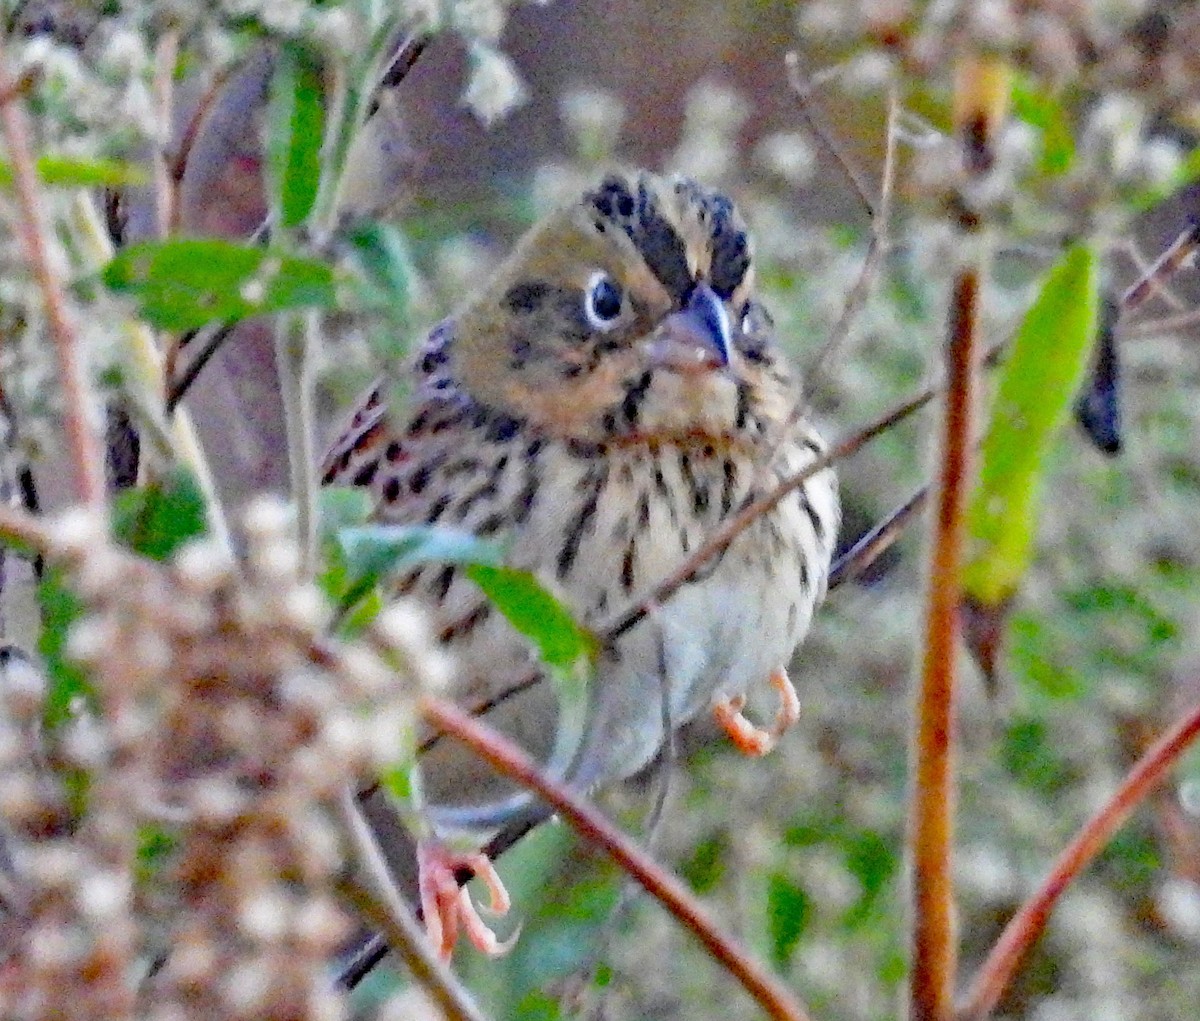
x=610, y=396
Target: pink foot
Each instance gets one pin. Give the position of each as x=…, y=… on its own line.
x=445, y=904
x=753, y=740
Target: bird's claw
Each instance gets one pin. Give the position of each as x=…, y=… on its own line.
x=445, y=904
x=746, y=736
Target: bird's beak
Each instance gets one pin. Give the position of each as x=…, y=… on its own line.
x=697, y=337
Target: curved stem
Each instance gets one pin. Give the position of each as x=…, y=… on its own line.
x=1028, y=924
x=507, y=759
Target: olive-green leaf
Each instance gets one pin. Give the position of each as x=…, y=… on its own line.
x=183, y=284
x=381, y=256
x=343, y=507
x=787, y=915
x=295, y=132
x=1038, y=108
x=61, y=608
x=371, y=551
x=1038, y=382
x=535, y=613
x=159, y=517
x=73, y=172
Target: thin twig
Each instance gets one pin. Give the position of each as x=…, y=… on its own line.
x=1179, y=253
x=24, y=529
x=1164, y=324
x=166, y=192
x=381, y=905
x=293, y=345
x=878, y=245
x=402, y=62
x=178, y=386
x=982, y=86
x=803, y=87
x=1028, y=924
x=187, y=141
x=871, y=546
x=931, y=813
x=509, y=760
x=145, y=379
x=724, y=534
x=83, y=440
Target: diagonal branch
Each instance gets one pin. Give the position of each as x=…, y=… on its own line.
x=1028, y=924
x=876, y=249
x=506, y=758
x=722, y=536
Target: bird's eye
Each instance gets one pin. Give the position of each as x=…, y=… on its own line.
x=602, y=302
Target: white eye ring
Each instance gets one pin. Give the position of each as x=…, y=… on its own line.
x=603, y=301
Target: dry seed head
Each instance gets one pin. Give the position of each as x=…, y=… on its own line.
x=77, y=533
x=203, y=566
x=266, y=916
x=22, y=687
x=103, y=896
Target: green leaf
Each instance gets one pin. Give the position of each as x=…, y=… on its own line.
x=568, y=649
x=787, y=914
x=155, y=845
x=385, y=267
x=1044, y=112
x=399, y=781
x=369, y=552
x=536, y=614
x=157, y=518
x=343, y=507
x=72, y=172
x=538, y=1005
x=706, y=866
x=61, y=608
x=1038, y=382
x=183, y=284
x=295, y=132
x=873, y=863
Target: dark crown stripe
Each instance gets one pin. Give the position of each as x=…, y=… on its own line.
x=660, y=247
x=730, y=248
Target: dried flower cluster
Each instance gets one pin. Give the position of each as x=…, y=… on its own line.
x=196, y=880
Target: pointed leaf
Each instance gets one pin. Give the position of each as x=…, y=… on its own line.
x=183, y=284
x=295, y=132
x=1039, y=379
x=381, y=255
x=343, y=507
x=536, y=614
x=371, y=551
x=73, y=172
x=1038, y=108
x=787, y=915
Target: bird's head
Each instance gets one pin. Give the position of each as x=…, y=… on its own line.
x=629, y=315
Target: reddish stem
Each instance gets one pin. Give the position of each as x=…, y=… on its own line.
x=87, y=455
x=506, y=758
x=932, y=811
x=1028, y=924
